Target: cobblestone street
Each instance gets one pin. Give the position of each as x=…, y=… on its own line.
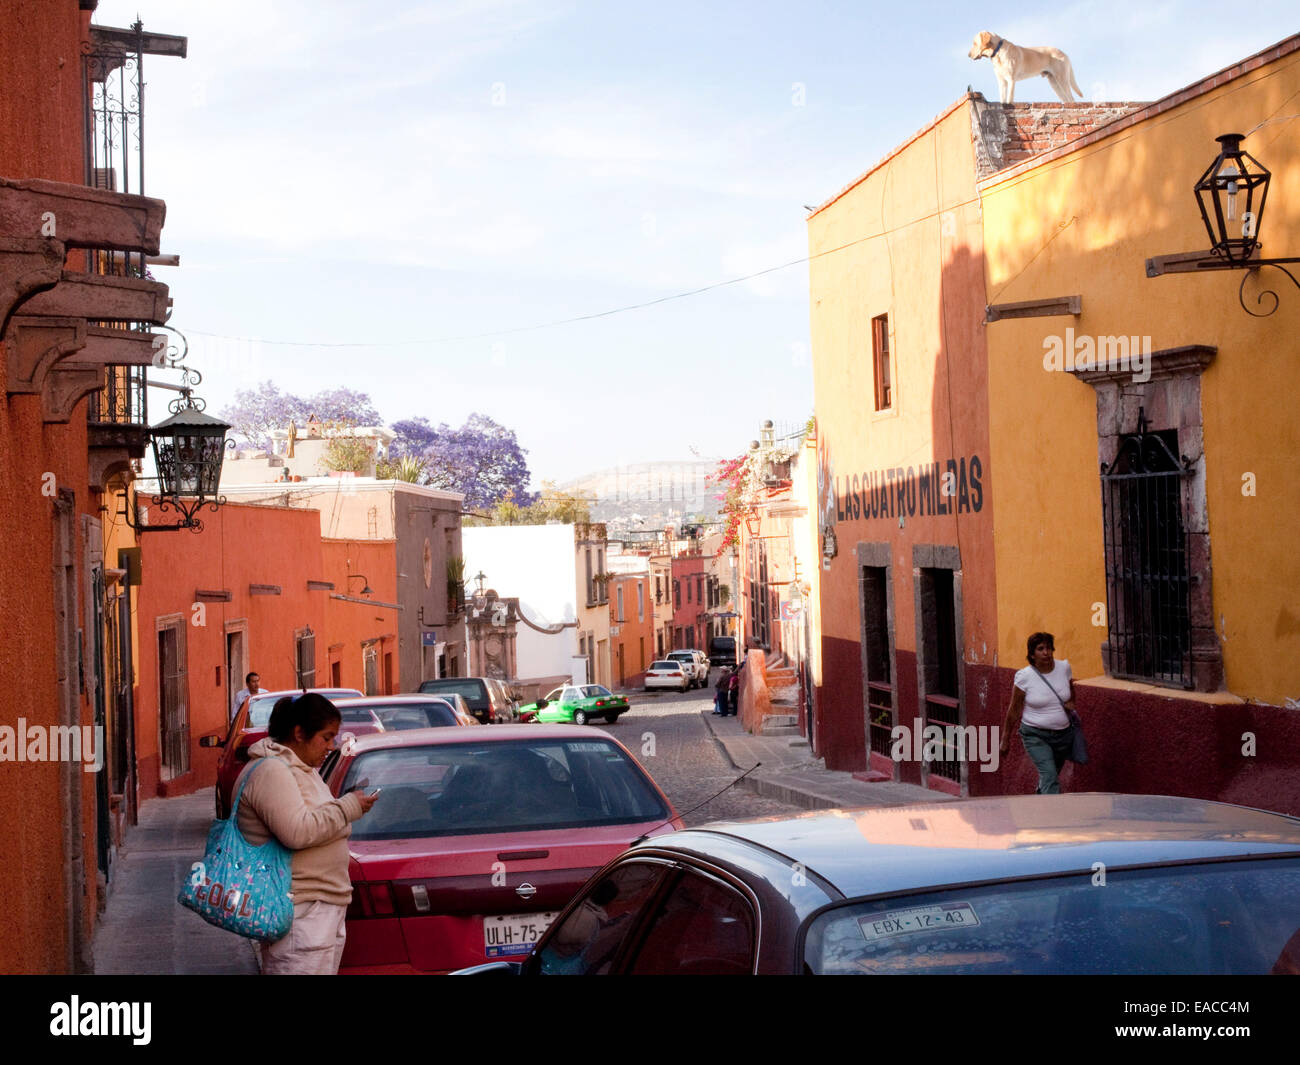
x=666, y=733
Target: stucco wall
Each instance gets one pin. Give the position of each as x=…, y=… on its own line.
x=910, y=236
x=40, y=137
x=239, y=546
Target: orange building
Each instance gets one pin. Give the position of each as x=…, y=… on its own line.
x=73, y=324
x=631, y=619
x=212, y=608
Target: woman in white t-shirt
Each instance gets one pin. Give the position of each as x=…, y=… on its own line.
x=1043, y=691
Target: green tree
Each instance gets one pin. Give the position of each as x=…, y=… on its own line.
x=346, y=453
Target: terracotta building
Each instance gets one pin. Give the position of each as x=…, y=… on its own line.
x=77, y=321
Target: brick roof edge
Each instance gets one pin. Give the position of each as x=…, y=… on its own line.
x=1283, y=48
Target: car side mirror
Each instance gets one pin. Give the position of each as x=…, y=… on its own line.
x=211, y=741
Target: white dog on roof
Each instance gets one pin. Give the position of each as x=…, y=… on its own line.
x=1011, y=64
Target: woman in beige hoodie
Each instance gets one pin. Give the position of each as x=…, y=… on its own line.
x=287, y=799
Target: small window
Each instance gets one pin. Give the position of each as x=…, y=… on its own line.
x=306, y=658
x=880, y=352
x=589, y=939
x=702, y=928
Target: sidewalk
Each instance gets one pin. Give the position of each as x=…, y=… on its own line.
x=143, y=929
x=792, y=773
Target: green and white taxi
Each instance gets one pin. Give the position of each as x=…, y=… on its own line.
x=577, y=704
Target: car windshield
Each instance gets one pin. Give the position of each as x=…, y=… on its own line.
x=467, y=788
x=1209, y=919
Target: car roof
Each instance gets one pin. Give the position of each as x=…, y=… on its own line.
x=403, y=699
x=421, y=737
x=329, y=693
x=881, y=850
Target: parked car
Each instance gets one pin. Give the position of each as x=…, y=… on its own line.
x=394, y=713
x=249, y=726
x=488, y=698
x=668, y=674
x=480, y=836
x=722, y=651
x=1028, y=884
x=698, y=664
x=576, y=705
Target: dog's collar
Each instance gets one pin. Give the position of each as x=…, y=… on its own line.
x=1001, y=42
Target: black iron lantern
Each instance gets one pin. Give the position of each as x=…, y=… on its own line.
x=1231, y=196
x=188, y=451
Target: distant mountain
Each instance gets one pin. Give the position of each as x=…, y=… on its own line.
x=649, y=494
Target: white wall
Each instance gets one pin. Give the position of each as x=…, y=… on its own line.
x=537, y=564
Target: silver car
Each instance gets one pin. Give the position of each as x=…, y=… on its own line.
x=1026, y=884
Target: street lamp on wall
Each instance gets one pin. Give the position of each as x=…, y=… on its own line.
x=1230, y=196
x=366, y=590
x=480, y=596
x=188, y=450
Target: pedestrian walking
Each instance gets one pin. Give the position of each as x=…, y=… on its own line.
x=720, y=693
x=1042, y=700
x=288, y=800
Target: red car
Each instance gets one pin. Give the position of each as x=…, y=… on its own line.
x=480, y=836
x=249, y=726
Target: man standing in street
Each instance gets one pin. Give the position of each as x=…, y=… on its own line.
x=252, y=685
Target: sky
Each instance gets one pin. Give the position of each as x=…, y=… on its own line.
x=404, y=198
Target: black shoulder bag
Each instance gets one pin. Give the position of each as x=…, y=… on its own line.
x=1078, y=745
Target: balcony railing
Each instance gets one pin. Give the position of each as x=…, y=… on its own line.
x=123, y=399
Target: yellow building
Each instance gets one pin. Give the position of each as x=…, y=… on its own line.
x=984, y=316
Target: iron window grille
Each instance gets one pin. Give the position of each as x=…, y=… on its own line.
x=1148, y=590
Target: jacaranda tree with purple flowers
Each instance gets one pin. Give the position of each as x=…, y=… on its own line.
x=256, y=411
x=481, y=459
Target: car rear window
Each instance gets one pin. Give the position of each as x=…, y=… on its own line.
x=260, y=706
x=474, y=692
x=1211, y=919
x=397, y=716
x=463, y=788
x=665, y=665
